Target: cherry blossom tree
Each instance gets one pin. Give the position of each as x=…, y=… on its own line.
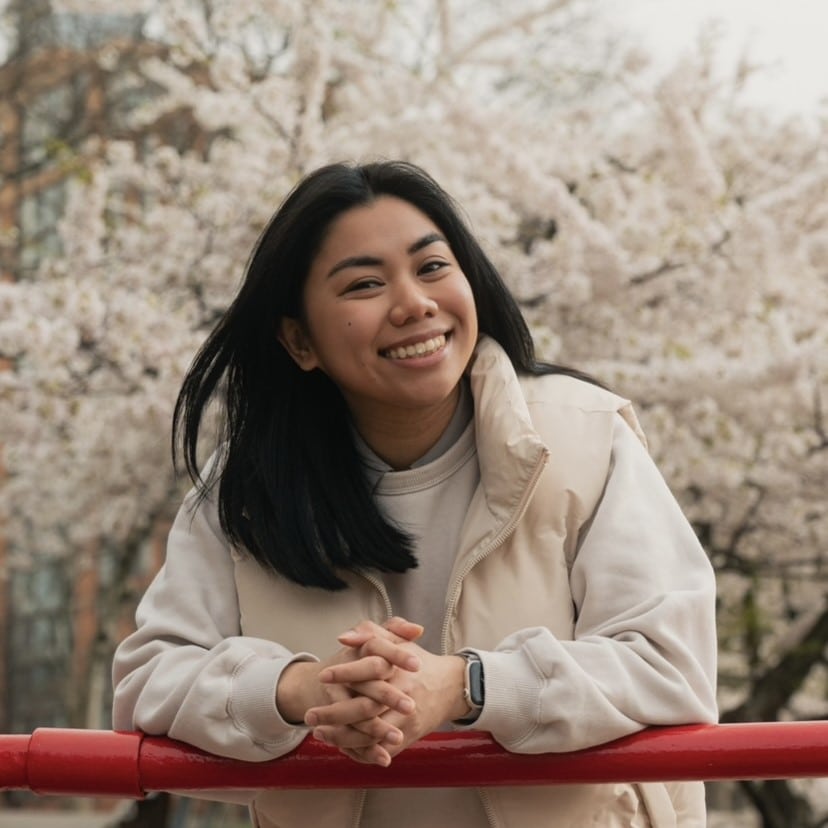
x=666, y=237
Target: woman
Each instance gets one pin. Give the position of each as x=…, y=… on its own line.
x=410, y=524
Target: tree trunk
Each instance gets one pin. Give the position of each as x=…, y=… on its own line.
x=779, y=806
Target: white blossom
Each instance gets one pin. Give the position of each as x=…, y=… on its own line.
x=668, y=239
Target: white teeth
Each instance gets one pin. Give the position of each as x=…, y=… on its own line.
x=420, y=349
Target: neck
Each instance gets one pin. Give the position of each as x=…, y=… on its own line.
x=400, y=437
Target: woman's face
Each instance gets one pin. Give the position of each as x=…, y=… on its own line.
x=389, y=314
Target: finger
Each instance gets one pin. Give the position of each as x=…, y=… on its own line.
x=404, y=628
x=373, y=755
x=346, y=712
x=392, y=652
x=337, y=693
x=365, y=631
x=342, y=737
x=396, y=629
x=399, y=628
x=353, y=684
x=391, y=697
x=376, y=729
x=370, y=667
x=349, y=737
x=367, y=668
x=380, y=732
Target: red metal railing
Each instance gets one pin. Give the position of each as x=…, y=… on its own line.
x=105, y=763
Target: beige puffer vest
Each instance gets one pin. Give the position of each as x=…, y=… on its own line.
x=511, y=572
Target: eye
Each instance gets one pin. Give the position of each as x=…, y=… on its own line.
x=362, y=285
x=433, y=266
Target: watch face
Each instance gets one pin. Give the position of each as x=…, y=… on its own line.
x=476, y=691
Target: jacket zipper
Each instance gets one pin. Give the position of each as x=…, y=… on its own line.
x=375, y=582
x=487, y=806
x=499, y=539
x=358, y=806
x=380, y=588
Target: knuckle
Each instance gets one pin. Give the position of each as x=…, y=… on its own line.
x=384, y=667
x=374, y=732
x=379, y=665
x=371, y=647
x=388, y=695
x=366, y=707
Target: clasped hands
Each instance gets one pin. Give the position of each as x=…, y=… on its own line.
x=377, y=694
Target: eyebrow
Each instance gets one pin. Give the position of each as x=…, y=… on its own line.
x=373, y=261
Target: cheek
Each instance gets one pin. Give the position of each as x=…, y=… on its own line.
x=357, y=324
x=350, y=328
x=465, y=303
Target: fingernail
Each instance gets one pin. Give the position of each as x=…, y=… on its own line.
x=406, y=706
x=412, y=663
x=319, y=736
x=326, y=676
x=394, y=737
x=311, y=719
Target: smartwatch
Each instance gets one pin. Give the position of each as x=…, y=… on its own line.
x=474, y=689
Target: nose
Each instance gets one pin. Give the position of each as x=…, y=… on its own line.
x=411, y=302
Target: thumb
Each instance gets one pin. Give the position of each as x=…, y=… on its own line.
x=404, y=628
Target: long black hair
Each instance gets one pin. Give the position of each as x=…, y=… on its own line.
x=291, y=486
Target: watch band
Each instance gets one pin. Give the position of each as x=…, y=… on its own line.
x=474, y=688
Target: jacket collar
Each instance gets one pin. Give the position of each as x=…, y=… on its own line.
x=509, y=448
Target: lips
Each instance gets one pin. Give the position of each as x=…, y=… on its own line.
x=417, y=349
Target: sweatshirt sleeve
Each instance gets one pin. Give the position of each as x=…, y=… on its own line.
x=644, y=647
x=187, y=672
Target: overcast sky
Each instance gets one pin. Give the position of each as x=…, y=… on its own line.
x=790, y=35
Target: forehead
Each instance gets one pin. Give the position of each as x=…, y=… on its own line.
x=386, y=223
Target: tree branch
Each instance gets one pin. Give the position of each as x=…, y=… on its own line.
x=774, y=688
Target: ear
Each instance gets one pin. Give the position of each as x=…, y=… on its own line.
x=295, y=341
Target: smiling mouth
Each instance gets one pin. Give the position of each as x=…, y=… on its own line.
x=419, y=349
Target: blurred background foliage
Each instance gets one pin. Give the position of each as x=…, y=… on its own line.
x=659, y=228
